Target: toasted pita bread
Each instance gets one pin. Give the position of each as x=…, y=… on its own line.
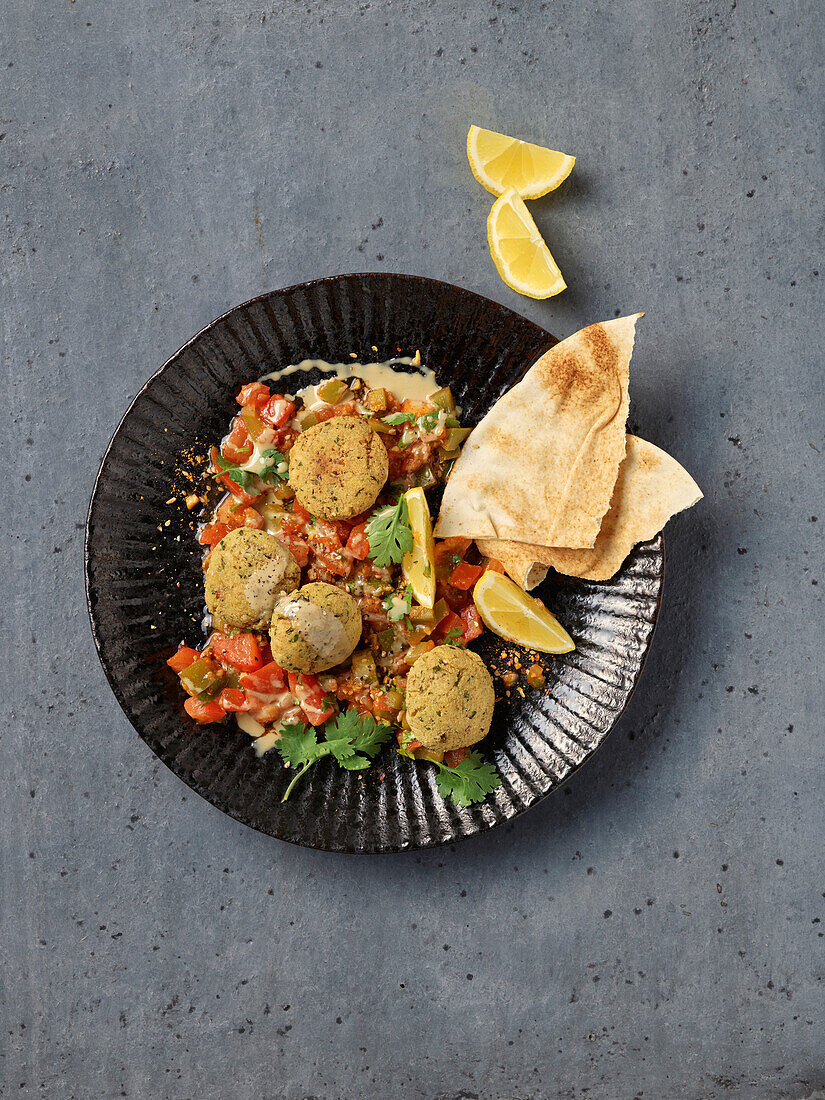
x=651, y=488
x=541, y=466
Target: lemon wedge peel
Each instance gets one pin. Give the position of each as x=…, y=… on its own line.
x=500, y=162
x=418, y=567
x=519, y=252
x=509, y=612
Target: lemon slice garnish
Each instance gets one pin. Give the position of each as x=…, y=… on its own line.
x=418, y=567
x=512, y=614
x=500, y=162
x=523, y=259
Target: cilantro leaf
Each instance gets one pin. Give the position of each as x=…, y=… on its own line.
x=470, y=781
x=361, y=731
x=242, y=478
x=389, y=533
x=395, y=613
x=398, y=418
x=355, y=763
x=428, y=421
x=298, y=744
x=273, y=459
x=344, y=737
x=454, y=636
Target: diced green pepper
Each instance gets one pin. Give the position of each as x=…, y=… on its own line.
x=421, y=614
x=428, y=754
x=425, y=478
x=306, y=419
x=380, y=427
x=408, y=437
x=454, y=438
x=254, y=425
x=386, y=639
x=363, y=666
x=332, y=390
x=273, y=512
x=443, y=399
x=452, y=422
x=376, y=400
x=203, y=676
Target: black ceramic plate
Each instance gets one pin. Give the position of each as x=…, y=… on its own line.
x=145, y=584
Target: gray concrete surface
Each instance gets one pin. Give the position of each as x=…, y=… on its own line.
x=652, y=930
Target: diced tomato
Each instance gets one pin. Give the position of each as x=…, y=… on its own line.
x=183, y=658
x=247, y=517
x=294, y=544
x=266, y=680
x=445, y=551
x=236, y=491
x=451, y=626
x=464, y=575
x=417, y=408
x=203, y=712
x=326, y=543
x=234, y=513
x=453, y=757
x=334, y=561
x=241, y=651
x=233, y=699
x=309, y=695
x=494, y=566
x=212, y=533
x=238, y=446
x=299, y=511
x=473, y=626
x=342, y=528
x=277, y=411
x=456, y=598
x=255, y=394
x=358, y=543
x=349, y=408
x=327, y=535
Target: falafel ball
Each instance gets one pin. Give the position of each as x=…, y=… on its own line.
x=248, y=572
x=338, y=468
x=315, y=628
x=450, y=698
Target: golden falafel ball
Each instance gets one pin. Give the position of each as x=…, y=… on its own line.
x=315, y=628
x=248, y=572
x=338, y=468
x=450, y=698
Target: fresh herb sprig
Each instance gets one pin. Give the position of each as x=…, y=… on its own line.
x=273, y=459
x=390, y=535
x=468, y=782
x=395, y=419
x=242, y=478
x=397, y=612
x=351, y=738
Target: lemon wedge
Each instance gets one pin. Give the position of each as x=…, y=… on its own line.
x=418, y=567
x=512, y=614
x=500, y=162
x=523, y=259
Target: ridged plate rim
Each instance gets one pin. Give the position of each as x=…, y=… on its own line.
x=656, y=546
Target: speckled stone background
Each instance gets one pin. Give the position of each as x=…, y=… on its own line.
x=654, y=928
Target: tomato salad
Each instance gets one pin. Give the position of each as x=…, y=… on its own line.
x=234, y=672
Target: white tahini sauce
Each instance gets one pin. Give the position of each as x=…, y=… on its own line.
x=320, y=629
x=261, y=587
x=417, y=384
